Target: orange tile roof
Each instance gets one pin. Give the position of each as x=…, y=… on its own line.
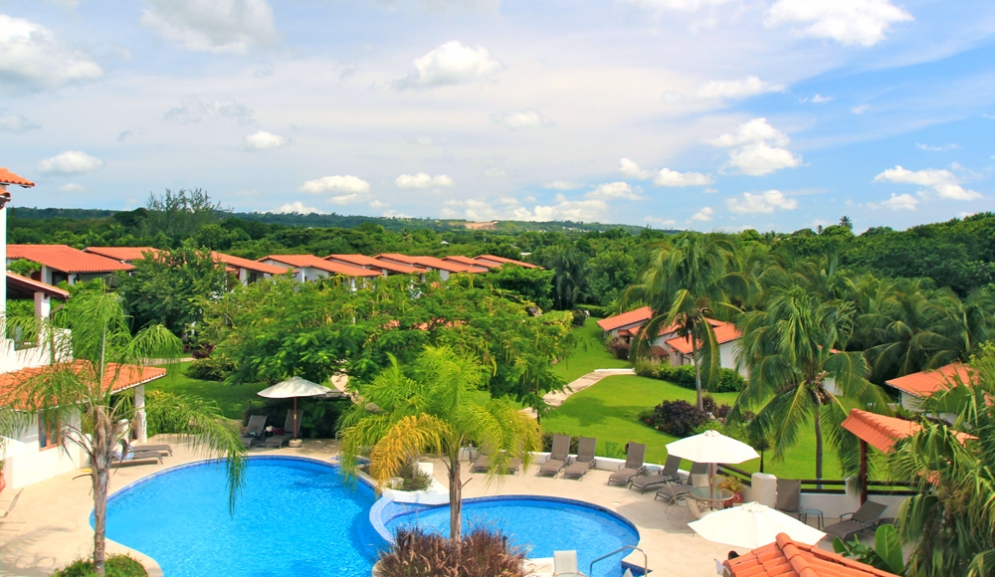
x=788, y=558
x=465, y=260
x=308, y=260
x=369, y=261
x=925, y=383
x=122, y=253
x=439, y=264
x=8, y=177
x=239, y=262
x=31, y=285
x=401, y=258
x=65, y=258
x=502, y=260
x=724, y=333
x=640, y=315
x=116, y=378
x=882, y=432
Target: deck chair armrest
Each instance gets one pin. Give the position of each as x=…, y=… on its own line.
x=846, y=516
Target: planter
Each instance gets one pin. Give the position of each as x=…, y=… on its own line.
x=737, y=498
x=295, y=443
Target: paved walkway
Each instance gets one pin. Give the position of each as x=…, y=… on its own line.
x=555, y=398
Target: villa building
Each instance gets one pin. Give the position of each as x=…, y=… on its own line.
x=124, y=254
x=248, y=271
x=913, y=388
x=59, y=262
x=308, y=267
x=368, y=262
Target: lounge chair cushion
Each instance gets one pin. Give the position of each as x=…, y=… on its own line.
x=552, y=467
x=623, y=476
x=643, y=484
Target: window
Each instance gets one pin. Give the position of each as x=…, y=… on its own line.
x=49, y=431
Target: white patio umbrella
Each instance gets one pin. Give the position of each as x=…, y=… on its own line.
x=753, y=525
x=294, y=387
x=712, y=447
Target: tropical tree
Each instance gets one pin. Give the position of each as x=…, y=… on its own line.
x=430, y=407
x=685, y=282
x=77, y=397
x=571, y=272
x=792, y=350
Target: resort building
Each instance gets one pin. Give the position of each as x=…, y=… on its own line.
x=368, y=262
x=429, y=263
x=914, y=387
x=62, y=263
x=486, y=259
x=627, y=324
x=124, y=254
x=788, y=558
x=308, y=267
x=248, y=271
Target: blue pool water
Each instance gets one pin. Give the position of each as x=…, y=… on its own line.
x=295, y=517
x=540, y=526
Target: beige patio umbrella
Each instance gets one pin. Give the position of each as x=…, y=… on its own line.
x=294, y=387
x=712, y=447
x=753, y=525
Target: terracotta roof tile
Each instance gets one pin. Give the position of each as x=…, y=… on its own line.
x=467, y=261
x=370, y=262
x=640, y=315
x=925, y=383
x=881, y=432
x=401, y=258
x=439, y=264
x=503, y=260
x=122, y=253
x=239, y=262
x=788, y=558
x=724, y=333
x=65, y=258
x=128, y=376
x=8, y=177
x=307, y=260
x=30, y=285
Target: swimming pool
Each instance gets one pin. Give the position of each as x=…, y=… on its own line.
x=295, y=517
x=540, y=525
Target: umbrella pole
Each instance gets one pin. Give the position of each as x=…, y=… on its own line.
x=295, y=418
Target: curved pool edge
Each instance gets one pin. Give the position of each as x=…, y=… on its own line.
x=152, y=566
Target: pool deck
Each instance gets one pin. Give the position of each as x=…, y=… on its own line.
x=57, y=513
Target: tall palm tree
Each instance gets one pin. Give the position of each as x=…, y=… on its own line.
x=571, y=275
x=790, y=351
x=693, y=277
x=78, y=395
x=430, y=407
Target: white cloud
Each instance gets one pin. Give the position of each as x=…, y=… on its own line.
x=32, y=59
x=630, y=169
x=378, y=204
x=849, y=22
x=818, y=99
x=526, y=118
x=563, y=185
x=683, y=5
x=665, y=177
x=943, y=182
x=660, y=221
x=451, y=63
x=422, y=180
x=898, y=202
x=355, y=198
x=70, y=162
x=212, y=25
x=193, y=109
x=347, y=184
x=615, y=190
x=73, y=187
x=11, y=122
x=263, y=140
x=764, y=202
x=703, y=215
x=761, y=149
x=749, y=86
x=590, y=210
x=494, y=173
x=939, y=148
x=860, y=109
x=296, y=207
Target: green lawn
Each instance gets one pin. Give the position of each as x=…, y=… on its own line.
x=233, y=400
x=608, y=411
x=589, y=354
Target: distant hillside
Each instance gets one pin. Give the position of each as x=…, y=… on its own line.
x=347, y=221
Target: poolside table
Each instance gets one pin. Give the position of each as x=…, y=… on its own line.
x=715, y=498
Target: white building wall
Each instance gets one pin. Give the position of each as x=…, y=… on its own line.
x=28, y=463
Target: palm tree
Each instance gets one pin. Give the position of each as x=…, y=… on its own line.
x=790, y=350
x=571, y=275
x=78, y=395
x=692, y=278
x=431, y=408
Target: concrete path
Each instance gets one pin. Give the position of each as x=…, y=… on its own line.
x=555, y=398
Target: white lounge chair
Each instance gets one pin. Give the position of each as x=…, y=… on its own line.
x=565, y=564
x=10, y=515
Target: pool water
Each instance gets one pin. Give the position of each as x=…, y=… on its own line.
x=295, y=517
x=539, y=526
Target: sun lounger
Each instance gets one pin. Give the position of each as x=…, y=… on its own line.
x=671, y=491
x=277, y=441
x=789, y=492
x=166, y=449
x=254, y=430
x=665, y=475
x=485, y=460
x=867, y=517
x=557, y=457
x=584, y=460
x=118, y=458
x=565, y=564
x=633, y=465
x=10, y=515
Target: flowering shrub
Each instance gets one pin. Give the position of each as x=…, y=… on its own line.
x=481, y=553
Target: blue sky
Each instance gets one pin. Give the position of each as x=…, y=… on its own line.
x=702, y=114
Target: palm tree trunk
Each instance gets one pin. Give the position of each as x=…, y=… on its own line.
x=99, y=467
x=818, y=438
x=697, y=371
x=455, y=499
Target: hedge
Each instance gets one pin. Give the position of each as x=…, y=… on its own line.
x=116, y=566
x=730, y=381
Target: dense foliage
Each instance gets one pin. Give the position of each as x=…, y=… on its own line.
x=727, y=381
x=117, y=566
x=481, y=553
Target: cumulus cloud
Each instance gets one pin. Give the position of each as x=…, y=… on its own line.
x=663, y=177
x=73, y=187
x=760, y=149
x=615, y=190
x=193, y=109
x=703, y=215
x=296, y=207
x=263, y=140
x=346, y=184
x=586, y=210
x=526, y=118
x=11, y=122
x=749, y=86
x=212, y=25
x=683, y=5
x=589, y=210
x=451, y=63
x=378, y=204
x=849, y=22
x=32, y=59
x=563, y=185
x=422, y=180
x=764, y=202
x=940, y=148
x=660, y=221
x=897, y=202
x=942, y=182
x=818, y=99
x=70, y=162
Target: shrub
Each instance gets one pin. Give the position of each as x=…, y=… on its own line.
x=612, y=450
x=116, y=566
x=214, y=368
x=481, y=553
x=547, y=442
x=619, y=348
x=414, y=478
x=579, y=317
x=730, y=381
x=678, y=418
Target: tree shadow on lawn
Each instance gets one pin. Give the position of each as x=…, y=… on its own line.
x=590, y=411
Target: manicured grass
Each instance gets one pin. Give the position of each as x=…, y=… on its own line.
x=589, y=354
x=233, y=400
x=608, y=411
